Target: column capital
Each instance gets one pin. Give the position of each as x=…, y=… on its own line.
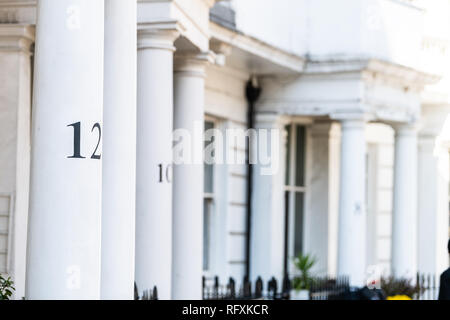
x=351, y=120
x=193, y=63
x=16, y=38
x=270, y=121
x=406, y=129
x=158, y=35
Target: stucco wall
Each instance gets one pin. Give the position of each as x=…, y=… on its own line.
x=15, y=117
x=380, y=139
x=387, y=29
x=226, y=102
x=282, y=23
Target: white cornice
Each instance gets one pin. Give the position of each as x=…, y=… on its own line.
x=370, y=69
x=409, y=75
x=257, y=47
x=20, y=11
x=336, y=64
x=17, y=3
x=162, y=25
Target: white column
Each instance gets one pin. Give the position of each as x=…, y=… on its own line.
x=352, y=214
x=64, y=255
x=433, y=205
x=15, y=117
x=404, y=222
x=322, y=210
x=189, y=86
x=119, y=151
x=154, y=160
x=268, y=214
x=433, y=188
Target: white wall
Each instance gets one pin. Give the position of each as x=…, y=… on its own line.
x=386, y=29
x=282, y=23
x=434, y=138
x=15, y=116
x=322, y=196
x=380, y=139
x=390, y=30
x=225, y=93
x=226, y=102
x=435, y=53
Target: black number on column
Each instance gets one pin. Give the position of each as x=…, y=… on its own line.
x=94, y=155
x=76, y=141
x=169, y=173
x=165, y=173
x=160, y=166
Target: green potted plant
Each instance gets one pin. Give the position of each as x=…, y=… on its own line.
x=302, y=282
x=6, y=288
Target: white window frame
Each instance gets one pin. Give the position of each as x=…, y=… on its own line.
x=293, y=189
x=212, y=198
x=8, y=232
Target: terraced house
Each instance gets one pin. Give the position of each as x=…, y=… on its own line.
x=354, y=96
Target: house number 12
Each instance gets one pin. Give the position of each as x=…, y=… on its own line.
x=77, y=141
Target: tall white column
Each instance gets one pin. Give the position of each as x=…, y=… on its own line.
x=189, y=86
x=321, y=214
x=268, y=214
x=64, y=255
x=433, y=205
x=119, y=151
x=154, y=160
x=404, y=222
x=352, y=212
x=433, y=188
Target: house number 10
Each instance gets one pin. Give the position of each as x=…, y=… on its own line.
x=165, y=173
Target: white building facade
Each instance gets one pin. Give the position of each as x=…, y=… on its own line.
x=91, y=92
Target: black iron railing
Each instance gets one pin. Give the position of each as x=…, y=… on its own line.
x=147, y=294
x=325, y=288
x=428, y=287
x=329, y=288
x=321, y=289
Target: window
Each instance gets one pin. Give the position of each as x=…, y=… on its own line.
x=295, y=188
x=6, y=212
x=208, y=205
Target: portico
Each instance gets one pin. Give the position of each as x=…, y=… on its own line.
x=331, y=90
x=103, y=157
